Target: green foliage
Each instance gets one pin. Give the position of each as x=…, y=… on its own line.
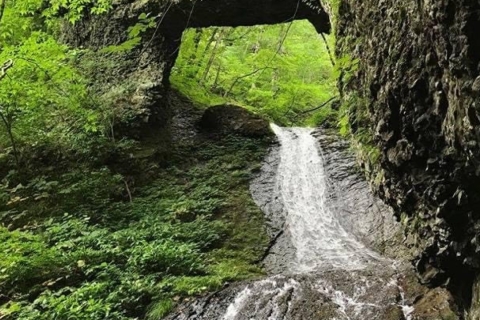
x=160, y=309
x=85, y=241
x=73, y=10
x=42, y=89
x=280, y=71
x=26, y=259
x=187, y=230
x=44, y=100
x=134, y=35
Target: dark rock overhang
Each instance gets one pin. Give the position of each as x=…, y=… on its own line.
x=234, y=13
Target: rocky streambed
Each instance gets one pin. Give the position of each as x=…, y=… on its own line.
x=336, y=250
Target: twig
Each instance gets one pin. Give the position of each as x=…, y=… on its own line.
x=7, y=65
x=186, y=26
x=128, y=190
x=286, y=32
x=291, y=104
x=156, y=29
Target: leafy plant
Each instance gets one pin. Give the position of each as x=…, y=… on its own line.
x=134, y=37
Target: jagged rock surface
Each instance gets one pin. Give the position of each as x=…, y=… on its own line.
x=417, y=91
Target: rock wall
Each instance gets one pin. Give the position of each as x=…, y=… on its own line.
x=147, y=68
x=412, y=79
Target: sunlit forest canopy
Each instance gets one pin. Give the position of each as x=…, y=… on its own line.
x=282, y=71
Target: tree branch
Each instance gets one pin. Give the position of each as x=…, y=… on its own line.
x=320, y=106
x=245, y=76
x=3, y=69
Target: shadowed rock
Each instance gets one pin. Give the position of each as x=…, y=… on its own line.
x=225, y=119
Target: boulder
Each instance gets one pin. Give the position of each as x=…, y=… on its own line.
x=231, y=119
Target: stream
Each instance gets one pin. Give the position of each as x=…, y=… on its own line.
x=327, y=228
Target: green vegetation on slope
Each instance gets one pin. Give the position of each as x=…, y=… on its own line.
x=95, y=224
x=86, y=251
x=281, y=71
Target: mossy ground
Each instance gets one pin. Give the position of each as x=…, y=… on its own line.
x=89, y=241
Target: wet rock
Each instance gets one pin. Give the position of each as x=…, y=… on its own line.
x=393, y=313
x=230, y=119
x=420, y=62
x=359, y=210
x=335, y=280
x=476, y=85
x=266, y=194
x=474, y=312
x=436, y=304
x=332, y=295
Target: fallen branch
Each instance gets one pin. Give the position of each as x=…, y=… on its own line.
x=128, y=191
x=272, y=242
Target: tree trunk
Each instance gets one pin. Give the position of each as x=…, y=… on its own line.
x=212, y=57
x=8, y=127
x=205, y=51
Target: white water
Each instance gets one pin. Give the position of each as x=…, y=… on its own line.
x=268, y=287
x=320, y=241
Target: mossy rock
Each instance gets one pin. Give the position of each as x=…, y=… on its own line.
x=231, y=119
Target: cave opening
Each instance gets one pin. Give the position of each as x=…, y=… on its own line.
x=283, y=71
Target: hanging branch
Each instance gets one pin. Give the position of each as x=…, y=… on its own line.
x=291, y=104
x=245, y=76
x=186, y=27
x=286, y=32
x=328, y=49
x=320, y=106
x=162, y=17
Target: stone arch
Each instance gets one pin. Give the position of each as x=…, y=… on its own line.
x=147, y=69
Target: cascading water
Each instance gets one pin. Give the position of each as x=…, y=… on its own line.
x=327, y=272
x=324, y=249
x=319, y=239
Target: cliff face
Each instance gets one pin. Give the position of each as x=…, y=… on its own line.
x=416, y=88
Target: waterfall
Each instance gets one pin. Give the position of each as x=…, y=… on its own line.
x=319, y=239
x=326, y=253
x=322, y=217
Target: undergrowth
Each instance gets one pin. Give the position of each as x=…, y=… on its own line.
x=90, y=244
